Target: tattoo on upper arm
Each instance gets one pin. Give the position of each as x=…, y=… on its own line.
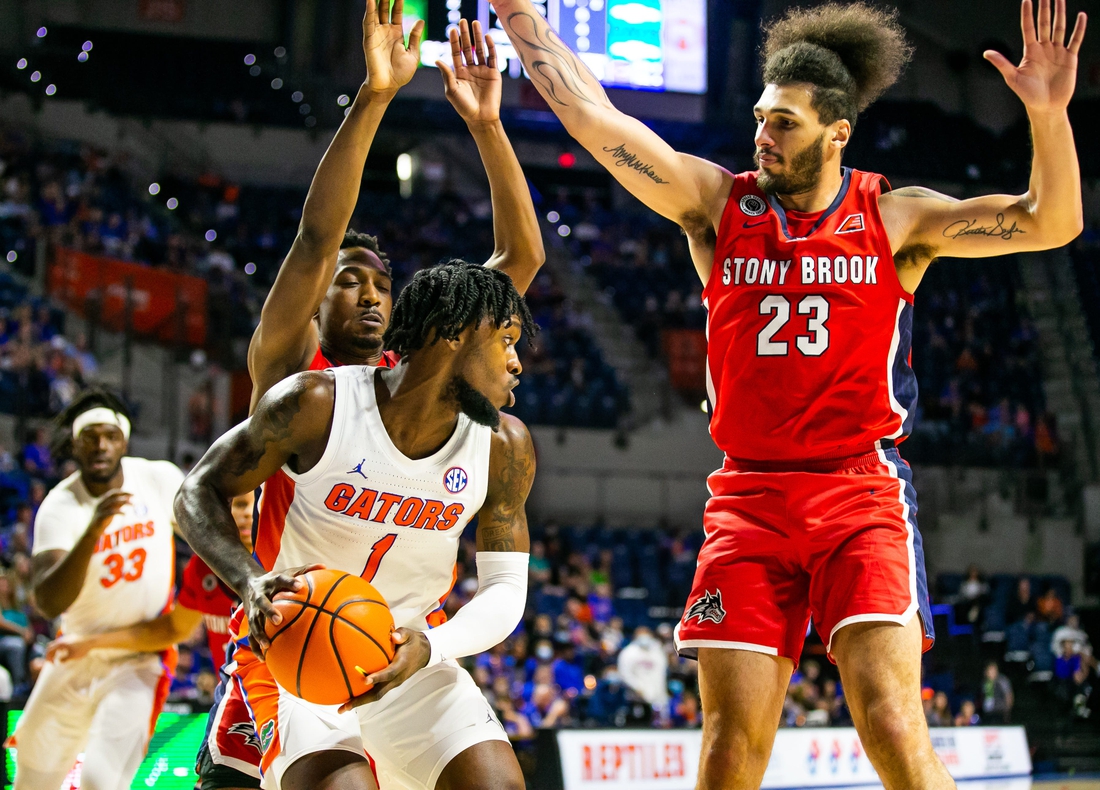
x=970, y=227
x=624, y=158
x=555, y=67
x=497, y=532
x=921, y=192
x=244, y=456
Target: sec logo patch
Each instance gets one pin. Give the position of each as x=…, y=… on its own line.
x=753, y=205
x=455, y=479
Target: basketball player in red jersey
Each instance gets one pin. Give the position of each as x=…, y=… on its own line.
x=331, y=300
x=809, y=270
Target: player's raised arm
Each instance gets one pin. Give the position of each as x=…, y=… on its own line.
x=292, y=421
x=473, y=88
x=687, y=190
x=1049, y=214
x=503, y=555
x=286, y=334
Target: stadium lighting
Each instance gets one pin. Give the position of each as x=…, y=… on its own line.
x=553, y=216
x=36, y=76
x=280, y=52
x=82, y=57
x=172, y=204
x=255, y=71
x=42, y=32
x=154, y=188
x=311, y=122
x=404, y=167
x=21, y=64
x=297, y=96
x=277, y=83
x=249, y=59
x=703, y=407
x=304, y=109
x=347, y=111
x=343, y=100
x=567, y=159
x=250, y=268
x=86, y=46
x=12, y=256
x=51, y=89
x=564, y=230
x=211, y=235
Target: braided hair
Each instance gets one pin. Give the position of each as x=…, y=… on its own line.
x=88, y=399
x=443, y=300
x=367, y=242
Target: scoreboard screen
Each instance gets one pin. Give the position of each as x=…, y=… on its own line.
x=654, y=45
x=169, y=764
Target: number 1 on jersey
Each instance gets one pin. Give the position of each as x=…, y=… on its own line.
x=377, y=552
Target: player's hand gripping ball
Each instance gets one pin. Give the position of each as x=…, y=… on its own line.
x=333, y=624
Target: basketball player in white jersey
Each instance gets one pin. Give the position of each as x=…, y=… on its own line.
x=103, y=559
x=385, y=468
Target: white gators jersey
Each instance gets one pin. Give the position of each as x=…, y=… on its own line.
x=369, y=510
x=131, y=574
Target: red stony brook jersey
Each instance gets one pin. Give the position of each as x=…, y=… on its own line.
x=202, y=591
x=809, y=330
x=320, y=362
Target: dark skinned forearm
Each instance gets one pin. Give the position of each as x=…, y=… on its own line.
x=519, y=250
x=206, y=523
x=56, y=586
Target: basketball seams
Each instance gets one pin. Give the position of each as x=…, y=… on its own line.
x=302, y=606
x=336, y=652
x=335, y=614
x=312, y=625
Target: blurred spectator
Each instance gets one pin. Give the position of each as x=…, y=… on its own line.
x=973, y=596
x=1021, y=604
x=997, y=698
x=1049, y=607
x=968, y=715
x=16, y=632
x=940, y=713
x=547, y=709
x=644, y=667
x=1070, y=632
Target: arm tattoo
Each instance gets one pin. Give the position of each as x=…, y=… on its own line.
x=497, y=533
x=553, y=65
x=970, y=227
x=921, y=192
x=274, y=427
x=624, y=158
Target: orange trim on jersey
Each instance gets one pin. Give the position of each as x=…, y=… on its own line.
x=439, y=617
x=261, y=695
x=278, y=493
x=160, y=696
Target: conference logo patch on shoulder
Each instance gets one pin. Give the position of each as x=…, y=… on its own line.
x=455, y=479
x=853, y=223
x=709, y=607
x=753, y=205
x=209, y=582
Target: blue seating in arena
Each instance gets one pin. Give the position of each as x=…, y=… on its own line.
x=1086, y=266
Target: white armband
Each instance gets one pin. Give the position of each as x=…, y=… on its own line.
x=491, y=615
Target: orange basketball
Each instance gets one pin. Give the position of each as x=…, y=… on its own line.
x=335, y=623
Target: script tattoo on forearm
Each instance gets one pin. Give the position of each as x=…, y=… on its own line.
x=970, y=227
x=497, y=533
x=624, y=158
x=551, y=64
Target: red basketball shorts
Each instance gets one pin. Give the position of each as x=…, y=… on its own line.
x=840, y=544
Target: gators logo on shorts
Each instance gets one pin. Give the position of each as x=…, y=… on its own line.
x=267, y=734
x=709, y=607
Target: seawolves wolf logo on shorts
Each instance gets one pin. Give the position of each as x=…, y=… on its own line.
x=709, y=607
x=247, y=731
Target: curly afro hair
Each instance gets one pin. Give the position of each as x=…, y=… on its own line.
x=366, y=241
x=851, y=53
x=441, y=301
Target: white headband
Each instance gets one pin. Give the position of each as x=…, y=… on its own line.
x=101, y=415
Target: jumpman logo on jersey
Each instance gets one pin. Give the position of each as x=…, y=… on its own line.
x=248, y=732
x=358, y=470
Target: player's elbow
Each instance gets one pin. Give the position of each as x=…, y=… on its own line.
x=44, y=601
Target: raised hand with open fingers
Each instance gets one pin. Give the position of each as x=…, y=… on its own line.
x=390, y=64
x=473, y=85
x=1047, y=73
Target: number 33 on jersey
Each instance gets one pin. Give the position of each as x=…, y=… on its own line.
x=808, y=328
